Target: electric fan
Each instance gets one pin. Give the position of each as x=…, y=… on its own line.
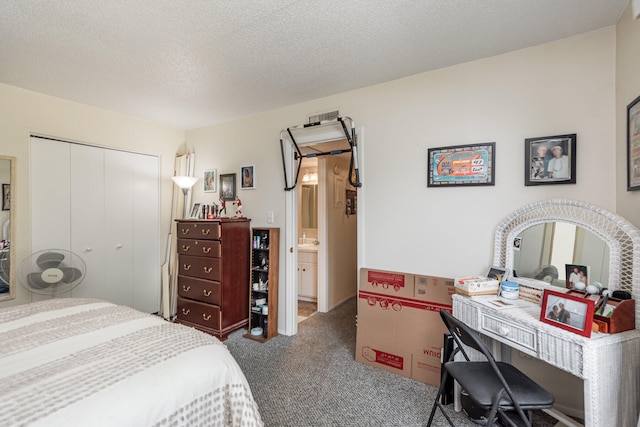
x=51, y=271
x=546, y=273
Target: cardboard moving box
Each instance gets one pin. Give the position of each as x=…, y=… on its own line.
x=399, y=325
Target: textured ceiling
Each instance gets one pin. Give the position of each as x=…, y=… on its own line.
x=194, y=63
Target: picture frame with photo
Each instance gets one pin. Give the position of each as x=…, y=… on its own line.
x=195, y=211
x=550, y=160
x=228, y=187
x=633, y=145
x=577, y=276
x=248, y=177
x=498, y=273
x=210, y=180
x=566, y=311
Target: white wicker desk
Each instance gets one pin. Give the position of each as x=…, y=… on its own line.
x=609, y=364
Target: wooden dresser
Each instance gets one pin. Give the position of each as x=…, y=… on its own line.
x=213, y=272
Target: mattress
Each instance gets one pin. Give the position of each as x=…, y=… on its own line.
x=81, y=362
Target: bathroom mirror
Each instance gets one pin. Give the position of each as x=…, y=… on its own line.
x=7, y=268
x=309, y=206
x=544, y=249
x=620, y=236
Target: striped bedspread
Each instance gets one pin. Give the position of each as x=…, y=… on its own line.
x=82, y=362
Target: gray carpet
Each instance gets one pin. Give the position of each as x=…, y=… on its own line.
x=312, y=379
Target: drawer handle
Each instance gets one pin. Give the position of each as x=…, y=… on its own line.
x=206, y=293
x=185, y=247
x=207, y=269
x=186, y=288
x=185, y=231
x=186, y=267
x=503, y=331
x=205, y=232
x=206, y=316
x=185, y=311
x=206, y=250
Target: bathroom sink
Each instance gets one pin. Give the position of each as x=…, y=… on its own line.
x=307, y=247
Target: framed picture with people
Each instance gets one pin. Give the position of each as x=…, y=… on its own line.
x=567, y=311
x=550, y=160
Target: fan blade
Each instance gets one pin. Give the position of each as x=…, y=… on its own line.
x=49, y=260
x=35, y=280
x=71, y=274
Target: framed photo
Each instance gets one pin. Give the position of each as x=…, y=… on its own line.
x=195, y=211
x=550, y=160
x=248, y=177
x=228, y=186
x=633, y=145
x=459, y=165
x=577, y=276
x=6, y=197
x=566, y=311
x=351, y=202
x=497, y=273
x=210, y=176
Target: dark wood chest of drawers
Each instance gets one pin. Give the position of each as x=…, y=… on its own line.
x=213, y=272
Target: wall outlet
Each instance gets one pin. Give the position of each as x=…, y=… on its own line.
x=270, y=218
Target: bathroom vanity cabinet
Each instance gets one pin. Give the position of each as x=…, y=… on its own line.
x=308, y=274
x=263, y=285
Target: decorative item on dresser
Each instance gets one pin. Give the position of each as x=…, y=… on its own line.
x=213, y=272
x=263, y=286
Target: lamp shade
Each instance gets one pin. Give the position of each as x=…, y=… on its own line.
x=185, y=182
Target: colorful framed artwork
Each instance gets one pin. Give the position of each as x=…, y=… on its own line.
x=460, y=165
x=566, y=311
x=550, y=160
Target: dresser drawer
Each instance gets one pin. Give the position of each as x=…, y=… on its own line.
x=206, y=315
x=195, y=247
x=519, y=336
x=199, y=230
x=199, y=289
x=195, y=266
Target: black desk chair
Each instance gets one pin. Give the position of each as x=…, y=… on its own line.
x=504, y=392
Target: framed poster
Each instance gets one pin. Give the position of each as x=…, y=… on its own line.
x=460, y=165
x=633, y=145
x=228, y=186
x=210, y=180
x=550, y=160
x=248, y=177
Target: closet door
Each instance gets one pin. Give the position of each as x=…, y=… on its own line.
x=87, y=217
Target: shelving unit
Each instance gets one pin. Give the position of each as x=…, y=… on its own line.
x=263, y=286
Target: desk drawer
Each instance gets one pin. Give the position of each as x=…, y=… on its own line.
x=519, y=336
x=206, y=315
x=206, y=248
x=199, y=230
x=204, y=268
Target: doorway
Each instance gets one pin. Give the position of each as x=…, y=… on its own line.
x=333, y=224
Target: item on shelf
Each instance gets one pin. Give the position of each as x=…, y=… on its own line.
x=257, y=331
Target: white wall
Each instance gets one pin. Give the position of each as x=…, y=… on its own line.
x=563, y=87
x=24, y=112
x=628, y=89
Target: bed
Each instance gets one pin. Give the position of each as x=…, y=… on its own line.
x=81, y=362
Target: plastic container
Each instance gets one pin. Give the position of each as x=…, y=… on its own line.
x=510, y=290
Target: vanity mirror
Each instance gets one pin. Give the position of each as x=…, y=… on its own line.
x=617, y=237
x=309, y=206
x=7, y=269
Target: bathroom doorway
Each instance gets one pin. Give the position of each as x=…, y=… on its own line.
x=327, y=234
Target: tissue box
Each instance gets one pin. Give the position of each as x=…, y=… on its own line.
x=476, y=285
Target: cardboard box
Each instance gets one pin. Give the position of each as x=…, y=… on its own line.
x=387, y=282
x=403, y=333
x=477, y=285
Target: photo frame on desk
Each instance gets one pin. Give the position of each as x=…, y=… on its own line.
x=566, y=311
x=195, y=211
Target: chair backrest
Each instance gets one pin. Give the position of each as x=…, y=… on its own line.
x=463, y=334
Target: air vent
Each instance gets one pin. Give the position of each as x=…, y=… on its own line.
x=330, y=115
